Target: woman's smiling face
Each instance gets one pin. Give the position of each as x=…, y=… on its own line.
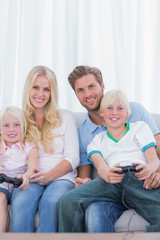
x=40, y=92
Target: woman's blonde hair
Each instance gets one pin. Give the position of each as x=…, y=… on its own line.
x=111, y=96
x=52, y=117
x=19, y=114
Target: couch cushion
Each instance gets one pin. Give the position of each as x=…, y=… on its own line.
x=130, y=221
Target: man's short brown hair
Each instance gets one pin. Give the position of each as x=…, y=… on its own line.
x=81, y=71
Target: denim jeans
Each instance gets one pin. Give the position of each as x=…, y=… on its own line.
x=42, y=198
x=101, y=216
x=130, y=191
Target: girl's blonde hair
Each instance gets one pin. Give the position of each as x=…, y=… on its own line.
x=19, y=114
x=52, y=118
x=111, y=96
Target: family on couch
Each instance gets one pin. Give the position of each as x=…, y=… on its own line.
x=53, y=132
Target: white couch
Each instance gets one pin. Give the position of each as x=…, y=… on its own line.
x=129, y=220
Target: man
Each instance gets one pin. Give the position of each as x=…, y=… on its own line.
x=87, y=82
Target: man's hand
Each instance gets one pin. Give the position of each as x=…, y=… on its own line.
x=153, y=181
x=80, y=181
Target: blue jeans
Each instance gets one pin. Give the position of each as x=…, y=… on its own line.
x=42, y=198
x=7, y=193
x=130, y=191
x=101, y=216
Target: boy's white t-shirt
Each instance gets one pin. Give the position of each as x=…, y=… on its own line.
x=129, y=149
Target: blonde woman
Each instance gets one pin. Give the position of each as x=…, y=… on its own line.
x=54, y=132
x=18, y=158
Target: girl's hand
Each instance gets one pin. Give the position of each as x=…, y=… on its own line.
x=80, y=181
x=39, y=177
x=114, y=177
x=25, y=183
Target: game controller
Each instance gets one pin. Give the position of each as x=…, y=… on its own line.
x=129, y=169
x=15, y=181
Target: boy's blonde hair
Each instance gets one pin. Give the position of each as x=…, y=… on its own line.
x=19, y=114
x=111, y=96
x=52, y=117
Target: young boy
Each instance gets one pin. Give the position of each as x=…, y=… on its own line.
x=123, y=144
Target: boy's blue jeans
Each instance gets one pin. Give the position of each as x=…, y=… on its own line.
x=73, y=204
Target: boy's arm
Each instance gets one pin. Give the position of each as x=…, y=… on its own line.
x=152, y=165
x=107, y=174
x=101, y=166
x=153, y=181
x=157, y=138
x=152, y=159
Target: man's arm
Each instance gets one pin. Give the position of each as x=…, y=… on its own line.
x=84, y=171
x=84, y=174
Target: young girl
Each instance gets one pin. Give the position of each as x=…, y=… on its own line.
x=54, y=131
x=15, y=156
x=123, y=144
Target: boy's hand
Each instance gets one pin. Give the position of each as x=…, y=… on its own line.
x=114, y=177
x=144, y=173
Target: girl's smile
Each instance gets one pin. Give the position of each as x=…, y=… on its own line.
x=11, y=129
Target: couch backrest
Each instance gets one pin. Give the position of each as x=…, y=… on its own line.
x=156, y=118
x=79, y=117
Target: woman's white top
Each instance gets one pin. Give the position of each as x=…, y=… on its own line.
x=66, y=147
